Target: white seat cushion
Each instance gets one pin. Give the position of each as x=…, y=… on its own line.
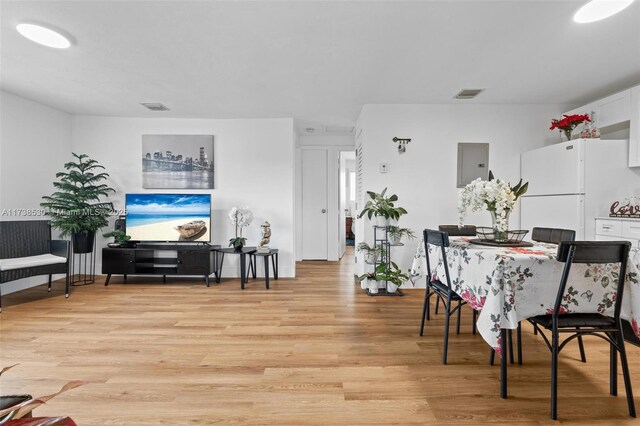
x=30, y=261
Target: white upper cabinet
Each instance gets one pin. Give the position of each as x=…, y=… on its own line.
x=610, y=110
x=614, y=109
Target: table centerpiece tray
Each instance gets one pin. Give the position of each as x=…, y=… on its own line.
x=493, y=243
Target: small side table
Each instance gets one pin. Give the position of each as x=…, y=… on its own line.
x=273, y=254
x=243, y=262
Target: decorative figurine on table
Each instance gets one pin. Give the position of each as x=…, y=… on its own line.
x=263, y=247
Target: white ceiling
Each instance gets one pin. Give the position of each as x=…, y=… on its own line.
x=316, y=61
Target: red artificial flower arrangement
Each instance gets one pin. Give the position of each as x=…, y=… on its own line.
x=568, y=123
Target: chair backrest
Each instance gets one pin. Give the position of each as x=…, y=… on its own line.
x=593, y=252
x=552, y=235
x=22, y=238
x=438, y=239
x=458, y=231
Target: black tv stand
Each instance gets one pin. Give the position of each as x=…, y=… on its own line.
x=147, y=259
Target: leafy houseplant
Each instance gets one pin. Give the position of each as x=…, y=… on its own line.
x=382, y=207
x=120, y=238
x=396, y=233
x=372, y=254
x=393, y=275
x=75, y=208
x=569, y=122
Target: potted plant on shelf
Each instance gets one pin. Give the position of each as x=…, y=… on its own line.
x=393, y=275
x=75, y=208
x=368, y=281
x=382, y=208
x=396, y=233
x=371, y=254
x=120, y=238
x=240, y=218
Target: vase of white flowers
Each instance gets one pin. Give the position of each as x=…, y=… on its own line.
x=240, y=218
x=494, y=195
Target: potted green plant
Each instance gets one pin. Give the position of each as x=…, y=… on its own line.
x=371, y=254
x=396, y=233
x=393, y=275
x=382, y=208
x=366, y=279
x=120, y=238
x=75, y=208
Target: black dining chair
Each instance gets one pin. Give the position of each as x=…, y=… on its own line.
x=442, y=290
x=552, y=235
x=555, y=236
x=459, y=231
x=596, y=324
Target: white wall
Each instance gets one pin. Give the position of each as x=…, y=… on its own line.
x=35, y=142
x=424, y=177
x=253, y=163
x=333, y=144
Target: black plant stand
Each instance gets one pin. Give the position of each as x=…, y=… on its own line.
x=381, y=239
x=83, y=266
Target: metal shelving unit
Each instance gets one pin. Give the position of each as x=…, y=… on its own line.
x=381, y=239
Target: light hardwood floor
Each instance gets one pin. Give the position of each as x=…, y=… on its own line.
x=313, y=350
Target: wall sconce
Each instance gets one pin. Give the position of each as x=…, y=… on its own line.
x=402, y=144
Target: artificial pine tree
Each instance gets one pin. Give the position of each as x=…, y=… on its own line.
x=75, y=208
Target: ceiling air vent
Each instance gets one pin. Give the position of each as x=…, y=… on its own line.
x=154, y=106
x=468, y=93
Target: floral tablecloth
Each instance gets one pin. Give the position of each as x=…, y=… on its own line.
x=511, y=284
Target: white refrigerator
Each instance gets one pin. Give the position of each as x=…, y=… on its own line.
x=572, y=183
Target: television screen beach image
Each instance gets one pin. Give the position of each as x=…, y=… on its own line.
x=168, y=217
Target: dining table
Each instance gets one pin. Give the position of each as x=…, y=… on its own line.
x=508, y=284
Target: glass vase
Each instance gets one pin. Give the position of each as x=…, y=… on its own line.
x=499, y=235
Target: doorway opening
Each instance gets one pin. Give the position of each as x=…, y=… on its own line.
x=347, y=201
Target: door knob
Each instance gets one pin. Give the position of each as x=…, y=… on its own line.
x=324, y=210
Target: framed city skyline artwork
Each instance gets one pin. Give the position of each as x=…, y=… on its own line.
x=177, y=162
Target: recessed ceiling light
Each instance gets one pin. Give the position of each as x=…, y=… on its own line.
x=44, y=36
x=596, y=10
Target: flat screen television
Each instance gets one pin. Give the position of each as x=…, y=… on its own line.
x=168, y=217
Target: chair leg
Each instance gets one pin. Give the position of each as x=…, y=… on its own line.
x=492, y=358
x=437, y=304
x=583, y=355
x=67, y=286
x=510, y=343
x=625, y=374
x=474, y=320
x=554, y=375
x=613, y=368
x=49, y=287
x=425, y=309
x=519, y=342
x=459, y=315
x=447, y=308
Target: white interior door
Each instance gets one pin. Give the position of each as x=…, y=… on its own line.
x=314, y=204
